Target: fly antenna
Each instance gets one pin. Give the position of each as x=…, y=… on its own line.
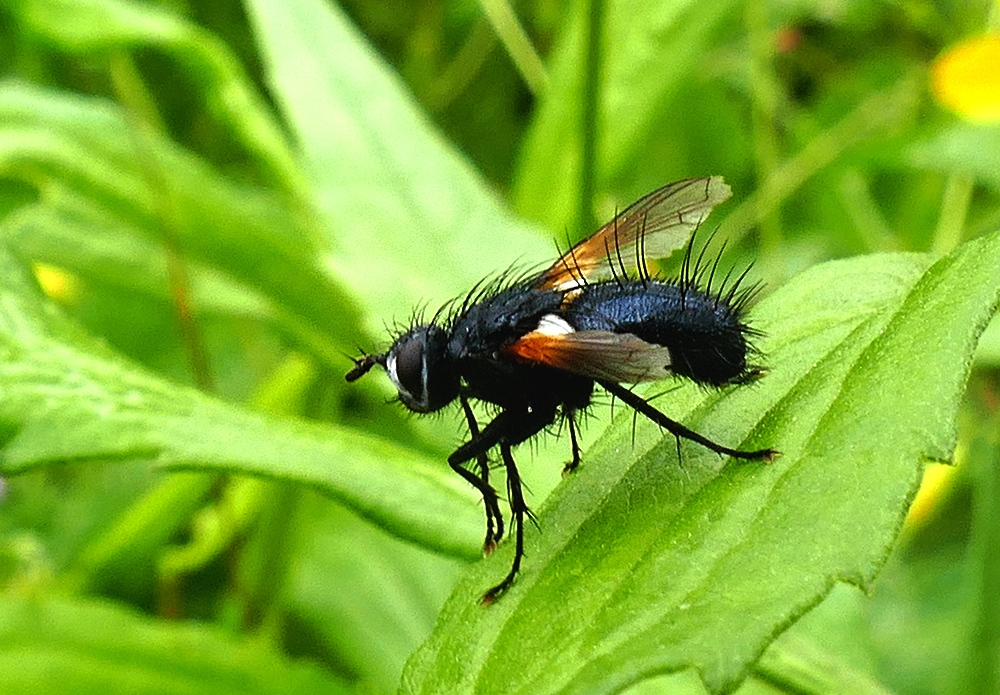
x=363, y=365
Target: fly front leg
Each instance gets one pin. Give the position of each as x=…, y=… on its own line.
x=477, y=448
x=481, y=482
x=509, y=428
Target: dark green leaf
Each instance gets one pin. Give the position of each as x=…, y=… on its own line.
x=111, y=209
x=57, y=645
x=403, y=588
x=111, y=27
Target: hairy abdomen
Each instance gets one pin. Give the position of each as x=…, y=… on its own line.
x=707, y=337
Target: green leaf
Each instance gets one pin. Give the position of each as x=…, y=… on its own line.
x=67, y=398
x=412, y=221
x=106, y=26
x=103, y=214
x=70, y=515
x=52, y=645
x=403, y=587
x=135, y=534
x=644, y=566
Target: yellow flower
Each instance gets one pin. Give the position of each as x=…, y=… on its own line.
x=937, y=482
x=966, y=78
x=57, y=283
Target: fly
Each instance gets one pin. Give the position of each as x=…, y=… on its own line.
x=535, y=347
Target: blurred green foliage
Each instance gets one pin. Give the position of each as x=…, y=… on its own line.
x=206, y=207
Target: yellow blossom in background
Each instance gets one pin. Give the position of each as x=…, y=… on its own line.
x=57, y=283
x=937, y=481
x=966, y=78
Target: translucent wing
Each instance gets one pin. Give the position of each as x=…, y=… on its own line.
x=620, y=357
x=653, y=227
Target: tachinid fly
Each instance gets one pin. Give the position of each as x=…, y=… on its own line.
x=536, y=347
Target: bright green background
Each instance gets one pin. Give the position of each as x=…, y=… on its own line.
x=223, y=201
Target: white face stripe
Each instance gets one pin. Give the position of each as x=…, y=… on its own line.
x=550, y=324
x=411, y=401
x=390, y=369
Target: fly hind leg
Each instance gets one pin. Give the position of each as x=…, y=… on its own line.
x=518, y=511
x=573, y=442
x=677, y=429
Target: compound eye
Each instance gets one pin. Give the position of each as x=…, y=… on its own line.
x=409, y=364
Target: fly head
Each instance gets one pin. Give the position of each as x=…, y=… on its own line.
x=420, y=368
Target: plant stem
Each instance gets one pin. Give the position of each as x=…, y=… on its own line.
x=764, y=91
x=457, y=75
x=793, y=664
x=501, y=16
x=863, y=210
x=590, y=104
x=954, y=207
x=145, y=121
x=876, y=114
